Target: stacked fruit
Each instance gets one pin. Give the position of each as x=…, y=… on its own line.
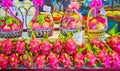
x=113, y=14
x=61, y=51
x=41, y=21
x=8, y=24
x=70, y=21
x=57, y=16
x=97, y=23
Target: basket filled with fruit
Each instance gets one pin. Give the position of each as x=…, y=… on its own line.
x=96, y=23
x=41, y=23
x=71, y=20
x=57, y=17
x=10, y=25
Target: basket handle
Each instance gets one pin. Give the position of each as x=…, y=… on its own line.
x=88, y=17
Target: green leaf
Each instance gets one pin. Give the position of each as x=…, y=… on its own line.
x=112, y=32
x=9, y=21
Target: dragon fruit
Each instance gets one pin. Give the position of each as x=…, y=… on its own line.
x=78, y=60
x=53, y=60
x=57, y=46
x=27, y=60
x=101, y=54
x=70, y=46
x=45, y=47
x=106, y=61
x=114, y=43
x=7, y=46
x=14, y=60
x=115, y=60
x=91, y=59
x=40, y=61
x=34, y=46
x=20, y=46
x=95, y=42
x=65, y=60
x=3, y=61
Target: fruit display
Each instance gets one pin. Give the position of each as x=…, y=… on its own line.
x=70, y=23
x=91, y=54
x=41, y=25
x=57, y=16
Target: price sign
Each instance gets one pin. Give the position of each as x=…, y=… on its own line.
x=78, y=37
x=47, y=8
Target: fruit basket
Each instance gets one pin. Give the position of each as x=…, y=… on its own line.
x=57, y=16
x=71, y=20
x=41, y=23
x=10, y=25
x=96, y=23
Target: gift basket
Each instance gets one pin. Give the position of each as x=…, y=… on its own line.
x=10, y=25
x=71, y=20
x=96, y=23
x=41, y=23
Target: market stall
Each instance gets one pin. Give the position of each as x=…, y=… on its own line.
x=76, y=43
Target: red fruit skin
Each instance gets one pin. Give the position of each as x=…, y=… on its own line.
x=57, y=46
x=106, y=61
x=20, y=47
x=53, y=60
x=65, y=60
x=27, y=60
x=92, y=59
x=7, y=46
x=40, y=61
x=95, y=41
x=6, y=28
x=101, y=54
x=45, y=47
x=3, y=61
x=70, y=46
x=78, y=60
x=46, y=25
x=34, y=46
x=14, y=60
x=115, y=60
x=72, y=25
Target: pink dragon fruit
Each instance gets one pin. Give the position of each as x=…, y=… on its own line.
x=53, y=60
x=115, y=60
x=65, y=60
x=57, y=46
x=107, y=61
x=78, y=60
x=101, y=54
x=7, y=46
x=20, y=47
x=3, y=61
x=70, y=46
x=91, y=59
x=27, y=60
x=45, y=47
x=40, y=61
x=95, y=42
x=14, y=60
x=34, y=46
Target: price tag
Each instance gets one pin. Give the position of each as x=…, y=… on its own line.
x=78, y=37
x=47, y=8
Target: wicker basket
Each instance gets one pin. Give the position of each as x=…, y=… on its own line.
x=41, y=32
x=13, y=34
x=65, y=30
x=94, y=33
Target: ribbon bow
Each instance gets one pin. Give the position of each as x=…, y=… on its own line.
x=38, y=2
x=94, y=4
x=7, y=3
x=73, y=6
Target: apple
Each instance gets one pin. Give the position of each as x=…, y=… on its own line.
x=72, y=25
x=6, y=28
x=36, y=25
x=15, y=27
x=45, y=25
x=47, y=20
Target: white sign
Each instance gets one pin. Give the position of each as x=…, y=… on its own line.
x=78, y=37
x=47, y=8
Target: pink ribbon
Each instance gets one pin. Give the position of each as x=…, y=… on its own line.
x=94, y=4
x=7, y=3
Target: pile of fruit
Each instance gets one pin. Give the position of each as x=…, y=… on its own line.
x=41, y=21
x=70, y=21
x=97, y=23
x=8, y=24
x=113, y=14
x=62, y=51
x=57, y=16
